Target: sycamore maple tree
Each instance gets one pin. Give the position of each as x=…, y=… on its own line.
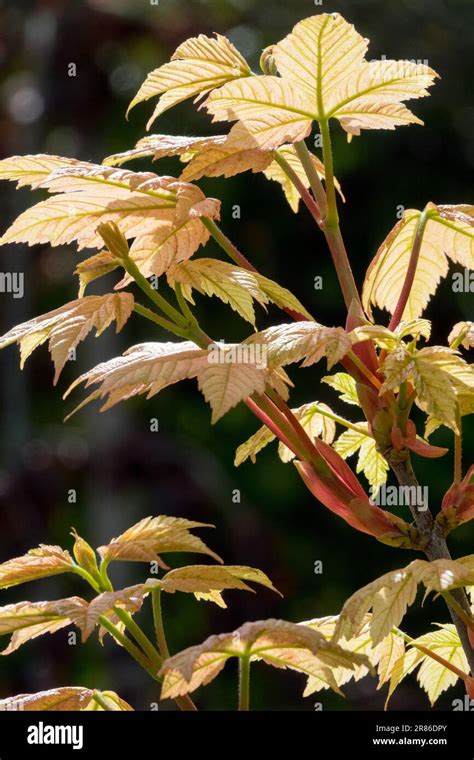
x=145, y=225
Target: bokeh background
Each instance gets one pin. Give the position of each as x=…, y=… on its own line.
x=121, y=470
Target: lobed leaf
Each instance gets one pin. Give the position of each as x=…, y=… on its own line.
x=370, y=461
x=449, y=234
x=148, y=539
x=197, y=66
x=36, y=563
x=67, y=326
x=276, y=642
x=390, y=595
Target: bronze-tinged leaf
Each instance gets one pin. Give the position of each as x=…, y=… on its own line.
x=63, y=698
x=202, y=579
x=31, y=619
x=449, y=234
x=226, y=373
x=160, y=146
x=324, y=57
x=32, y=170
x=37, y=563
x=390, y=595
x=276, y=642
x=67, y=326
x=310, y=341
x=441, y=378
x=225, y=160
x=271, y=110
x=152, y=536
x=94, y=267
x=24, y=635
x=196, y=67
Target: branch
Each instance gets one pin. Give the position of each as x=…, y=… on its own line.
x=435, y=546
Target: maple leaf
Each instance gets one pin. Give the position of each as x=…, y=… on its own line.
x=37, y=563
x=63, y=698
x=289, y=343
x=275, y=642
x=323, y=75
x=448, y=235
x=67, y=326
x=390, y=595
x=152, y=536
x=197, y=66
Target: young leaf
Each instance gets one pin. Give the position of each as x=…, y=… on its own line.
x=289, y=343
x=323, y=57
x=432, y=676
x=225, y=385
x=449, y=233
x=390, y=595
x=197, y=66
x=271, y=110
x=26, y=620
x=276, y=642
x=37, y=563
x=311, y=417
x=67, y=326
x=202, y=580
x=63, y=698
x=225, y=378
x=233, y=285
x=32, y=170
x=160, y=146
x=345, y=385
x=94, y=267
x=462, y=334
x=437, y=374
x=152, y=536
x=276, y=173
x=225, y=159
x=323, y=75
x=370, y=461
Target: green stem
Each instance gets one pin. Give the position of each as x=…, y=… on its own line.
x=158, y=621
x=411, y=270
x=306, y=196
x=233, y=253
x=331, y=225
x=159, y=301
x=184, y=703
x=97, y=697
x=244, y=683
x=129, y=646
x=134, y=629
x=87, y=577
x=106, y=582
x=315, y=183
x=161, y=321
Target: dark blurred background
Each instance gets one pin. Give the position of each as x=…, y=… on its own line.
x=120, y=470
